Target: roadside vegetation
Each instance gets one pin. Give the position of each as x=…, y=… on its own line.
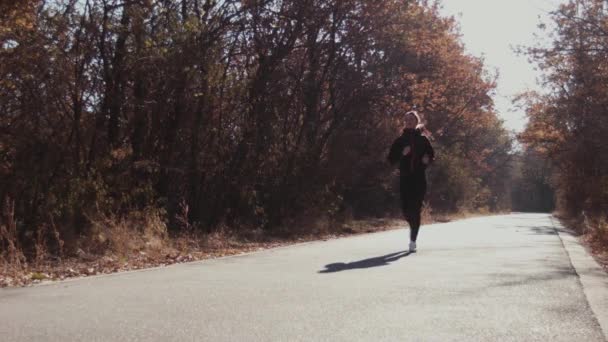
x=150, y=132
x=568, y=125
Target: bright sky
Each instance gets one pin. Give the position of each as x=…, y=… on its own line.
x=492, y=28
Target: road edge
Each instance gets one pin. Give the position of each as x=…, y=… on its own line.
x=205, y=260
x=592, y=276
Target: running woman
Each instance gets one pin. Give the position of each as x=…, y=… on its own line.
x=414, y=153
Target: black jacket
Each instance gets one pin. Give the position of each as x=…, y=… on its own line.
x=411, y=164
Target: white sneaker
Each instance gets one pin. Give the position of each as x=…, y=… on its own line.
x=412, y=246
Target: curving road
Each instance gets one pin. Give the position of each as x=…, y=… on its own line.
x=516, y=277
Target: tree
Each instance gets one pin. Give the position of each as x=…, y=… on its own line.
x=241, y=113
x=568, y=123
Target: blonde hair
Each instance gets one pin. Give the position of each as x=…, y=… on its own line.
x=416, y=115
x=419, y=125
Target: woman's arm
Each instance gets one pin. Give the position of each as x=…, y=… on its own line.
x=429, y=152
x=394, y=154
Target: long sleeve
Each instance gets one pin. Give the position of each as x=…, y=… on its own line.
x=394, y=154
x=429, y=149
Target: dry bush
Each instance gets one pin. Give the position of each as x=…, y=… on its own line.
x=601, y=229
x=312, y=221
x=12, y=257
x=140, y=231
x=48, y=244
x=427, y=213
x=596, y=227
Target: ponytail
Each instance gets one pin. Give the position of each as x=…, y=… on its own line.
x=421, y=127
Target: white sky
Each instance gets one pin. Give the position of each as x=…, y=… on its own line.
x=491, y=28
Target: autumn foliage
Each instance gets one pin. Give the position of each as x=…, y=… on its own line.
x=245, y=114
x=569, y=121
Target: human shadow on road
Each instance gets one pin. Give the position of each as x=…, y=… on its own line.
x=366, y=263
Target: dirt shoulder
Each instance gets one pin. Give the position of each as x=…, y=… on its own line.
x=592, y=242
x=182, y=249
x=187, y=248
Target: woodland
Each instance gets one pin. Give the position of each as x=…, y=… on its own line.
x=568, y=120
x=128, y=123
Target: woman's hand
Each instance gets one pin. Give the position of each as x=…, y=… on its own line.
x=425, y=159
x=407, y=150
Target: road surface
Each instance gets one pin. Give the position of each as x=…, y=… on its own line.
x=500, y=278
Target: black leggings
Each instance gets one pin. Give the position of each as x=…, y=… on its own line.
x=412, y=195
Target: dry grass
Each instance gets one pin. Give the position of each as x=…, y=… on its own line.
x=12, y=259
x=594, y=234
x=141, y=231
x=141, y=241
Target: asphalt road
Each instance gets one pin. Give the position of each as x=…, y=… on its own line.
x=500, y=278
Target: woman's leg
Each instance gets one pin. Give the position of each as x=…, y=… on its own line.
x=405, y=194
x=414, y=207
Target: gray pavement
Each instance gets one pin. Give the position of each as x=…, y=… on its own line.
x=500, y=278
